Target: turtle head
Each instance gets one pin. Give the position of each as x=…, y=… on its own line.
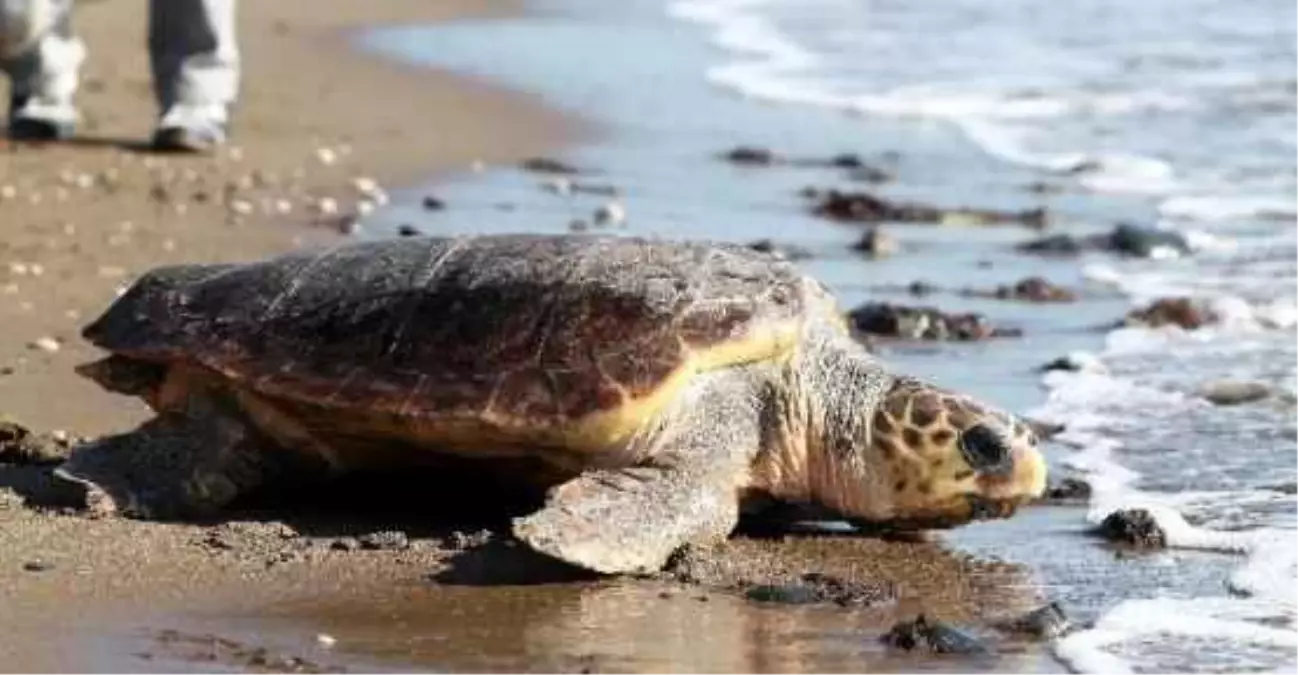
x=945, y=459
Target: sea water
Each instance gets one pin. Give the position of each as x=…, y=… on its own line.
x=1178, y=115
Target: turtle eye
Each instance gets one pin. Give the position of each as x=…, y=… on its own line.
x=986, y=450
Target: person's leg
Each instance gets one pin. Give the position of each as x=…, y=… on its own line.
x=195, y=63
x=41, y=56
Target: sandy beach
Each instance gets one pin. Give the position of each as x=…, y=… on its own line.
x=83, y=218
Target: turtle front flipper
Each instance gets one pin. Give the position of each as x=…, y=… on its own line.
x=176, y=465
x=630, y=520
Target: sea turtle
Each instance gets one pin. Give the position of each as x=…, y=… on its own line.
x=655, y=387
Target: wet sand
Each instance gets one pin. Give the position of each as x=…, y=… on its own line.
x=252, y=592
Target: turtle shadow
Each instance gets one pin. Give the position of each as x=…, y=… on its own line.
x=39, y=488
x=422, y=504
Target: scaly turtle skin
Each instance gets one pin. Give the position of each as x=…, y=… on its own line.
x=654, y=387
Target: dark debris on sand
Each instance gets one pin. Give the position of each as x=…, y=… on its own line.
x=818, y=588
x=1066, y=491
x=923, y=323
x=547, y=165
x=858, y=168
x=1182, y=311
x=23, y=447
x=1125, y=239
x=937, y=637
x=1135, y=527
x=213, y=649
x=780, y=251
x=863, y=207
x=876, y=243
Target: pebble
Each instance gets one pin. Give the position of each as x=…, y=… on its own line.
x=242, y=207
x=1234, y=392
x=559, y=186
x=86, y=181
x=326, y=640
x=18, y=269
x=385, y=540
x=364, y=207
x=366, y=185
x=326, y=206
x=37, y=566
x=235, y=153
x=345, y=544
x=8, y=192
x=432, y=203
x=326, y=156
x=407, y=230
x=45, y=344
x=612, y=213
x=282, y=206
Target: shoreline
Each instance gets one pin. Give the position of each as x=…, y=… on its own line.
x=83, y=218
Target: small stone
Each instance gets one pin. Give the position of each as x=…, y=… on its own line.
x=876, y=243
x=1067, y=490
x=431, y=203
x=326, y=640
x=242, y=207
x=365, y=185
x=8, y=192
x=18, y=269
x=547, y=165
x=612, y=213
x=558, y=186
x=345, y=544
x=326, y=156
x=1043, y=623
x=578, y=225
x=780, y=251
x=46, y=344
x=937, y=637
x=750, y=156
x=37, y=566
x=235, y=153
x=1235, y=392
x=387, y=540
x=477, y=166
x=1136, y=527
x=1181, y=311
x=364, y=208
x=326, y=206
x=349, y=225
x=407, y=230
x=282, y=206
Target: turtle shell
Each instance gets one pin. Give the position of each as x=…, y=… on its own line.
x=574, y=340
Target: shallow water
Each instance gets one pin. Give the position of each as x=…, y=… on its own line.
x=1176, y=116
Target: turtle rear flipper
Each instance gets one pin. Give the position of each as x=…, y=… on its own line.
x=175, y=465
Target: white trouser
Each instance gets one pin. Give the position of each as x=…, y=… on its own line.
x=192, y=52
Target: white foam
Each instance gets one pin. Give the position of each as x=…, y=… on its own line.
x=1225, y=619
x=1217, y=208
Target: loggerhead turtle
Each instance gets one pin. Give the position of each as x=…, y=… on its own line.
x=662, y=385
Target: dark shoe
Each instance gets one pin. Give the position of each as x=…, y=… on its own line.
x=35, y=130
x=185, y=139
x=23, y=126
